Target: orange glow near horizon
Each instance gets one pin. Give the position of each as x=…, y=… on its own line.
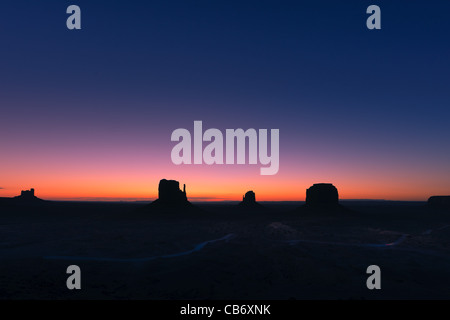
x=106, y=173
x=218, y=186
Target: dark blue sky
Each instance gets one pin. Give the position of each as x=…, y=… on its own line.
x=144, y=68
x=258, y=53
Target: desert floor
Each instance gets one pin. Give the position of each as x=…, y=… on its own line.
x=281, y=253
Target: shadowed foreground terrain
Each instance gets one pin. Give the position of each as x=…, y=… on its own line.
x=226, y=252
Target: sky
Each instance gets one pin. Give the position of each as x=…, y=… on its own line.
x=88, y=114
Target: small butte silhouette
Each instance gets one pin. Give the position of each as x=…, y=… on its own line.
x=26, y=197
x=249, y=203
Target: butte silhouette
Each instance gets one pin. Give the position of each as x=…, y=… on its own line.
x=249, y=203
x=439, y=202
x=171, y=199
x=322, y=198
x=322, y=194
x=26, y=197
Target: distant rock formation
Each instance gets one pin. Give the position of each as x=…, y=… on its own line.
x=170, y=199
x=439, y=202
x=323, y=199
x=322, y=194
x=27, y=194
x=249, y=198
x=26, y=197
x=249, y=202
x=169, y=192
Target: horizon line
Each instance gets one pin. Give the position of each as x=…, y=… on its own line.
x=199, y=200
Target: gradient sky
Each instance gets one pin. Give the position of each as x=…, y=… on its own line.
x=89, y=113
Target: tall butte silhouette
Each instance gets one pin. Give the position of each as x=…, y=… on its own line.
x=171, y=199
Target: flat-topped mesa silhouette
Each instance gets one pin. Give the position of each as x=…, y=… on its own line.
x=323, y=199
x=322, y=194
x=439, y=202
